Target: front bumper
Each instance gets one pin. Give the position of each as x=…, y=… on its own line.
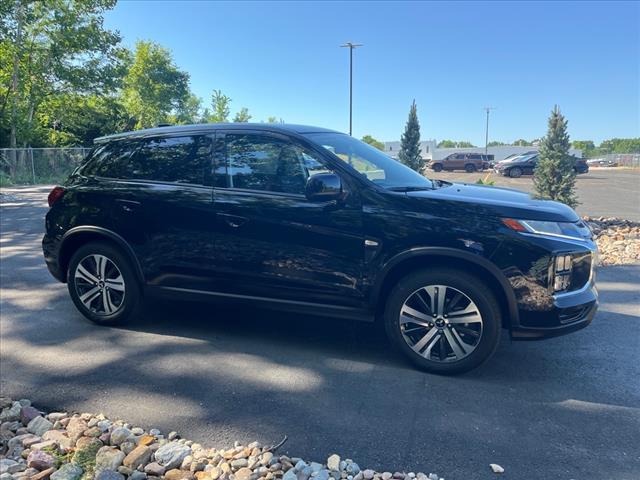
x=570, y=312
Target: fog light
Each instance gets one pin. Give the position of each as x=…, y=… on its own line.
x=562, y=274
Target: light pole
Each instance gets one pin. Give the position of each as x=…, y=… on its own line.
x=486, y=132
x=351, y=46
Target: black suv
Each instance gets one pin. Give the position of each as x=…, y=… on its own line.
x=316, y=222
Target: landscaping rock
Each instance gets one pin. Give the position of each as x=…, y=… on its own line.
x=68, y=471
x=138, y=456
x=40, y=460
x=119, y=435
x=109, y=458
x=75, y=427
x=171, y=454
x=39, y=426
x=108, y=475
x=333, y=462
x=28, y=413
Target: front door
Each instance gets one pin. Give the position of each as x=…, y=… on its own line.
x=272, y=242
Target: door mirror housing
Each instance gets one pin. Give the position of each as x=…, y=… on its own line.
x=324, y=187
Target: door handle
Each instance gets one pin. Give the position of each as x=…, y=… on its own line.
x=128, y=205
x=234, y=221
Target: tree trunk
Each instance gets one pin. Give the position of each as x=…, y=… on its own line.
x=14, y=77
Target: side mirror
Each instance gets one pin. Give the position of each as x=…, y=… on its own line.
x=324, y=187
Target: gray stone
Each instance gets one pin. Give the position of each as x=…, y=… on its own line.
x=239, y=463
x=127, y=447
x=12, y=413
x=137, y=431
x=322, y=475
x=103, y=425
x=333, y=462
x=154, y=431
x=138, y=476
x=368, y=474
x=57, y=416
x=39, y=426
x=171, y=454
x=68, y=471
x=290, y=475
x=6, y=476
x=108, y=475
x=119, y=435
x=154, y=468
x=17, y=468
x=109, y=458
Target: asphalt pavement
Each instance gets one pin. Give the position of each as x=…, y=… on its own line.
x=608, y=192
x=565, y=408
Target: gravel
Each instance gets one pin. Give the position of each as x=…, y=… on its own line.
x=618, y=239
x=70, y=446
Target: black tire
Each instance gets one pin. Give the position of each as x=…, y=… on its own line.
x=469, y=168
x=126, y=303
x=470, y=286
x=515, y=172
x=437, y=167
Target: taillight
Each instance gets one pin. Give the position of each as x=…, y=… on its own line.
x=55, y=195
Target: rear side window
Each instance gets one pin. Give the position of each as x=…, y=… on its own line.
x=172, y=159
x=109, y=160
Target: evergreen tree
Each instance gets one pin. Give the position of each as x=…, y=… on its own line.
x=555, y=177
x=410, y=142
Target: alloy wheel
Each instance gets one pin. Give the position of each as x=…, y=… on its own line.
x=99, y=284
x=441, y=323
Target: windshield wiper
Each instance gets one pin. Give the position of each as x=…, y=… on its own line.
x=408, y=189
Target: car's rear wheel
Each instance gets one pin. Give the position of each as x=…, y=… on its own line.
x=102, y=284
x=470, y=168
x=444, y=320
x=437, y=167
x=515, y=172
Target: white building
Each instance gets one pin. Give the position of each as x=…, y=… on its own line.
x=430, y=151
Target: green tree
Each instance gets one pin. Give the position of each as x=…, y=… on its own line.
x=587, y=147
x=495, y=144
x=242, y=116
x=373, y=142
x=154, y=87
x=447, y=144
x=521, y=142
x=410, y=142
x=50, y=48
x=188, y=112
x=220, y=104
x=554, y=176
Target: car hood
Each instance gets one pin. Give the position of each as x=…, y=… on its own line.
x=504, y=202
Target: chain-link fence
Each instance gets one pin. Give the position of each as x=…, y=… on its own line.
x=22, y=166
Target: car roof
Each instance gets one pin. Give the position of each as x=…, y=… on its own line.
x=204, y=127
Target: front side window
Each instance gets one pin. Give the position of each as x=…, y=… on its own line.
x=262, y=162
x=370, y=162
x=172, y=159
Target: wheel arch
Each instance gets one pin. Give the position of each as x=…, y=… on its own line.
x=78, y=236
x=429, y=257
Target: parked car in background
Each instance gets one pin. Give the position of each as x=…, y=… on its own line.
x=526, y=164
x=316, y=222
x=469, y=162
x=601, y=162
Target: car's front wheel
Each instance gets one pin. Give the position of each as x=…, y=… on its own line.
x=444, y=320
x=102, y=284
x=515, y=172
x=437, y=167
x=470, y=168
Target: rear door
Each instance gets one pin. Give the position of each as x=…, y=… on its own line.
x=160, y=199
x=270, y=240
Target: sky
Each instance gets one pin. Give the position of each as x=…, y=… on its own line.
x=284, y=59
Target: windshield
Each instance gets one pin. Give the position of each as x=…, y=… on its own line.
x=371, y=162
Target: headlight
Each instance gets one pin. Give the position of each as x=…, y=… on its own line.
x=576, y=230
